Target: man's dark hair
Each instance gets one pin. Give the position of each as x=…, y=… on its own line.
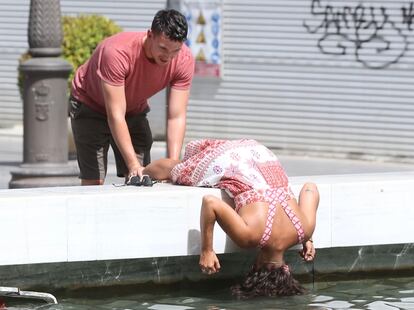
x=170, y=23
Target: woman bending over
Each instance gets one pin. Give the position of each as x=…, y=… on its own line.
x=265, y=213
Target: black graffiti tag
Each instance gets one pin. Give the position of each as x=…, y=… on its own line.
x=364, y=31
x=408, y=15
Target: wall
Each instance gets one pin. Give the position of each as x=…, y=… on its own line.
x=325, y=78
x=322, y=78
x=107, y=235
x=13, y=42
x=131, y=15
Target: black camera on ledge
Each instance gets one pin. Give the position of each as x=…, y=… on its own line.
x=137, y=181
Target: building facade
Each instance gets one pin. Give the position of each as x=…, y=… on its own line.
x=314, y=77
x=309, y=77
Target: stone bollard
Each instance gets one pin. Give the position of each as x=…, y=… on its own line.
x=45, y=104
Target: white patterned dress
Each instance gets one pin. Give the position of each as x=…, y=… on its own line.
x=247, y=170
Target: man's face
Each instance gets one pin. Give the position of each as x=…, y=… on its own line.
x=162, y=49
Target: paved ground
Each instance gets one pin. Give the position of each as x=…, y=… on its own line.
x=11, y=156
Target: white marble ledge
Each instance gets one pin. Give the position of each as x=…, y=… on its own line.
x=62, y=224
x=91, y=190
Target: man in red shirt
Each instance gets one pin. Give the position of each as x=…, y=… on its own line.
x=109, y=99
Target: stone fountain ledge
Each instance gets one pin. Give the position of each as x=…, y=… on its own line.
x=106, y=235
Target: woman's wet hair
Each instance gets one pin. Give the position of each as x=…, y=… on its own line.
x=268, y=280
x=170, y=23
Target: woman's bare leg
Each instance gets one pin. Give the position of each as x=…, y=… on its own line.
x=160, y=169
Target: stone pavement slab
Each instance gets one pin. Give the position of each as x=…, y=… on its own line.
x=11, y=156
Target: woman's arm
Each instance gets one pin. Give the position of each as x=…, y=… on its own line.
x=160, y=169
x=308, y=203
x=245, y=233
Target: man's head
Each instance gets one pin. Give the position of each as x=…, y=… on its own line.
x=170, y=23
x=164, y=40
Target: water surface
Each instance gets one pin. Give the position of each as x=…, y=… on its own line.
x=368, y=294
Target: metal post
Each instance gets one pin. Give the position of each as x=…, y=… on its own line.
x=45, y=147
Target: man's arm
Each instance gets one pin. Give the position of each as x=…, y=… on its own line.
x=115, y=104
x=177, y=111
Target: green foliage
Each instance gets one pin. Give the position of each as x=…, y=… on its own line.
x=81, y=35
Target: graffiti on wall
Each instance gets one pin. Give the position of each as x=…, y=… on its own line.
x=376, y=38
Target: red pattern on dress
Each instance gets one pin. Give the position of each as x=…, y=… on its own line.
x=273, y=173
x=201, y=164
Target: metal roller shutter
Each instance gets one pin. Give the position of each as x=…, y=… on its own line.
x=325, y=78
x=13, y=42
x=129, y=14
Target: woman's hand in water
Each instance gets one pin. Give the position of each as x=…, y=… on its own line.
x=308, y=251
x=209, y=262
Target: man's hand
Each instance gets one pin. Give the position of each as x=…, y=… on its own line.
x=136, y=170
x=209, y=262
x=308, y=251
